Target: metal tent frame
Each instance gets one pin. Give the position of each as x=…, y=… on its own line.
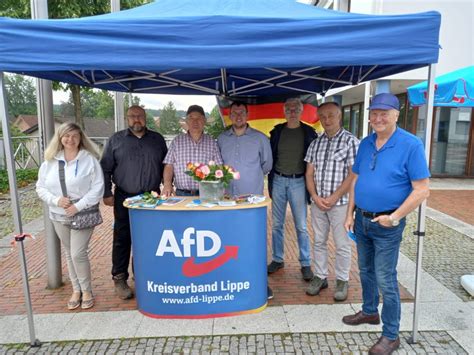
x=229, y=81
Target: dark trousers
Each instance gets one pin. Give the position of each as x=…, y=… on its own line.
x=122, y=243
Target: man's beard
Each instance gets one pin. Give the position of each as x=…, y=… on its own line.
x=137, y=128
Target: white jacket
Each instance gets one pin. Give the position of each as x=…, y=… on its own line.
x=84, y=181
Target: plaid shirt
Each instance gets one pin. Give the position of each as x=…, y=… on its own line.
x=183, y=150
x=332, y=158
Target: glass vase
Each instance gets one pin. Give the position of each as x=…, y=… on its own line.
x=211, y=191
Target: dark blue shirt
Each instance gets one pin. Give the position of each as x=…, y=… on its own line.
x=385, y=175
x=134, y=165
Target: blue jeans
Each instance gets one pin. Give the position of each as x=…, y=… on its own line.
x=377, y=248
x=293, y=191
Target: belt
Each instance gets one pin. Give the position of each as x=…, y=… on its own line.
x=291, y=176
x=192, y=192
x=368, y=214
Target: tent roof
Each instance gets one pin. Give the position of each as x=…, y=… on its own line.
x=238, y=47
x=455, y=89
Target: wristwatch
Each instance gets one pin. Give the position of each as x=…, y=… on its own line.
x=395, y=222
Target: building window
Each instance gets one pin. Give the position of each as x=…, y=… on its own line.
x=405, y=120
x=353, y=118
x=450, y=141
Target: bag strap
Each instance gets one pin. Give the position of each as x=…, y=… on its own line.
x=62, y=178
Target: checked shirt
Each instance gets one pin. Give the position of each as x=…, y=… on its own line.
x=183, y=150
x=332, y=158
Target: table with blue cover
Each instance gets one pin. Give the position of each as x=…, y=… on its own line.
x=200, y=262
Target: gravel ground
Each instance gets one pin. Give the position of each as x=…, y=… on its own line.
x=31, y=207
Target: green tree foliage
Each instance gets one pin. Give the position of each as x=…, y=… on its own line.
x=135, y=102
x=21, y=95
x=14, y=132
x=150, y=122
x=24, y=177
x=60, y=9
x=169, y=120
x=97, y=104
x=215, y=125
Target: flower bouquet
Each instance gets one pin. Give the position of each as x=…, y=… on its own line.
x=212, y=172
x=212, y=178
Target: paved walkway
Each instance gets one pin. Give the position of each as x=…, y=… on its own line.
x=287, y=284
x=296, y=343
x=293, y=322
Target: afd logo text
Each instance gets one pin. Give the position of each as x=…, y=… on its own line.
x=191, y=237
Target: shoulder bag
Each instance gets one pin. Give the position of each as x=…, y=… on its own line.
x=86, y=218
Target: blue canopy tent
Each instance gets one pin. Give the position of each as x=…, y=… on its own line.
x=454, y=89
x=231, y=48
x=242, y=47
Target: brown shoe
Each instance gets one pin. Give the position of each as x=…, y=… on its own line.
x=384, y=346
x=361, y=318
x=121, y=287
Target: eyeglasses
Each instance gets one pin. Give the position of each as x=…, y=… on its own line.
x=373, y=162
x=289, y=111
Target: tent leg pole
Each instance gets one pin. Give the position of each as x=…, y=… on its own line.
x=15, y=204
x=26, y=292
x=420, y=233
x=422, y=209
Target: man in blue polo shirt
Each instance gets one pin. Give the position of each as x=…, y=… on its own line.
x=391, y=179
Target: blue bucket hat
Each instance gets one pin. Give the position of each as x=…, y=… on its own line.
x=384, y=101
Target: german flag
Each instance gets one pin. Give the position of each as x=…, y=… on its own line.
x=264, y=113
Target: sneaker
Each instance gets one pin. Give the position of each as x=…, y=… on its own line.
x=121, y=287
x=274, y=266
x=269, y=293
x=341, y=290
x=316, y=285
x=307, y=273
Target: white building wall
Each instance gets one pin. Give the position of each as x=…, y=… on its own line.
x=456, y=33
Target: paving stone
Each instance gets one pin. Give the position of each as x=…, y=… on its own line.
x=447, y=254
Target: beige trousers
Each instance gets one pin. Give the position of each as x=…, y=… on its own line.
x=76, y=245
x=321, y=222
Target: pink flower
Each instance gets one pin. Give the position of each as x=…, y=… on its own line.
x=219, y=174
x=205, y=170
x=211, y=163
x=236, y=175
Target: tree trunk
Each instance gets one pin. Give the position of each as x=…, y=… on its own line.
x=76, y=99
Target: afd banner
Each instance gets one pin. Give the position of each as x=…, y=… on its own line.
x=266, y=112
x=200, y=263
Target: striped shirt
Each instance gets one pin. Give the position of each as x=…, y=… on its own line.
x=332, y=158
x=184, y=149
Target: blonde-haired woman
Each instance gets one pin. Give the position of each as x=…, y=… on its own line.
x=85, y=186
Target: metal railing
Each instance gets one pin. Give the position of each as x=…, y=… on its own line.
x=27, y=151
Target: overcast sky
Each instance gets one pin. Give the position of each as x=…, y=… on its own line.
x=181, y=102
